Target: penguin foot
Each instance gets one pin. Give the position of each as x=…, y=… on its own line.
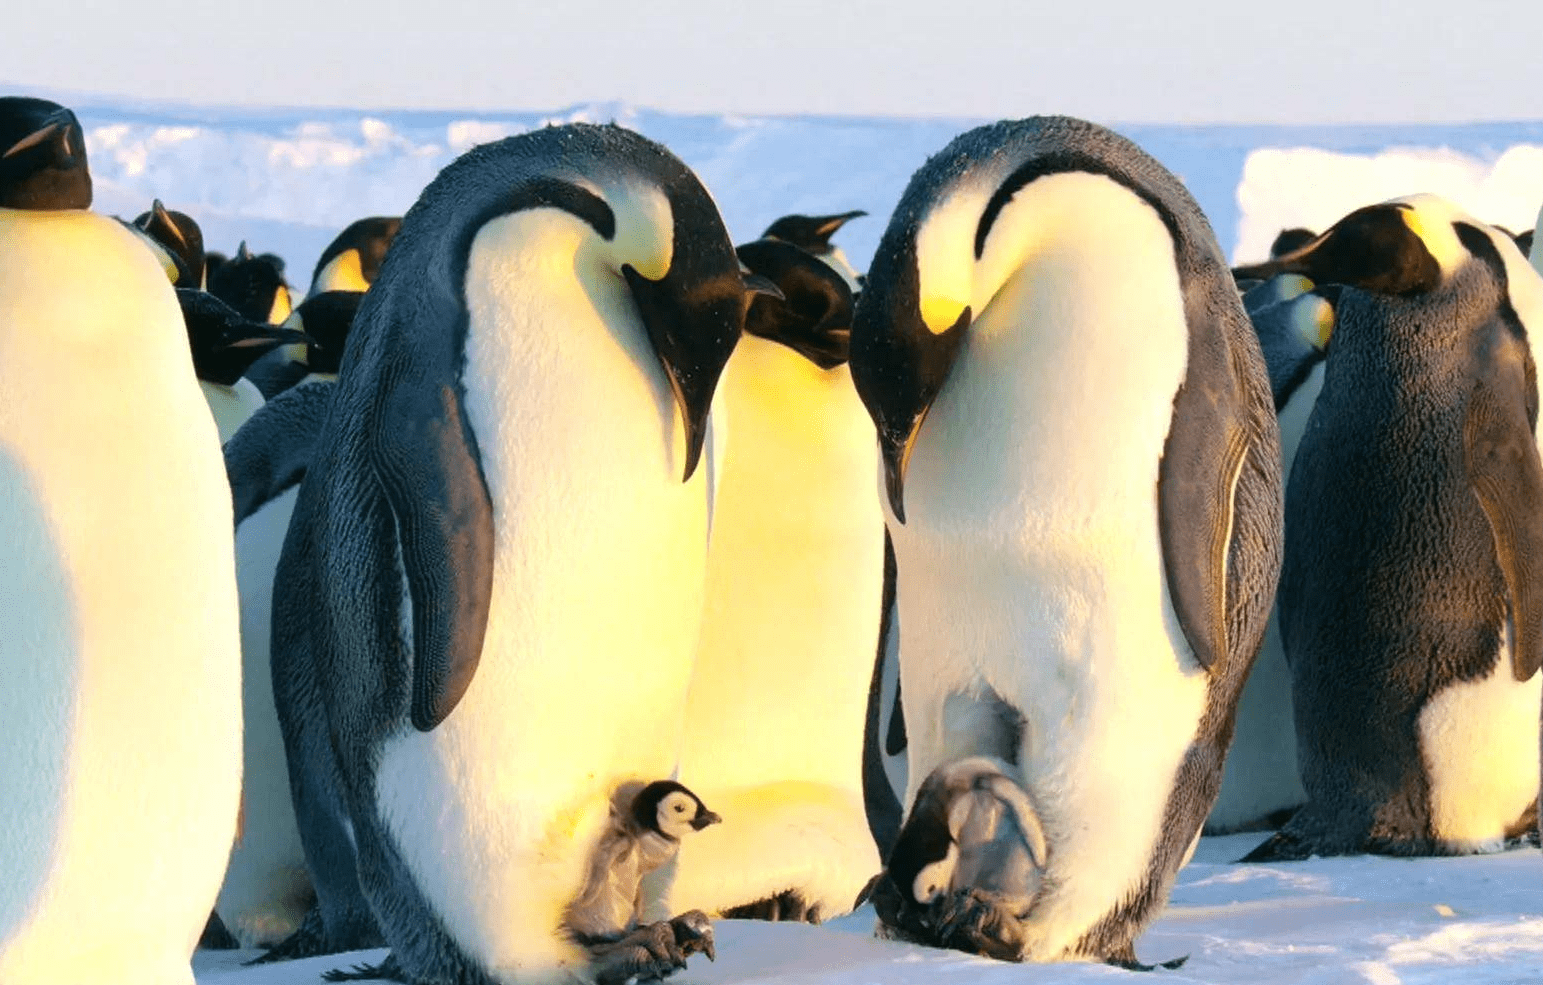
x=1126, y=958
x=387, y=970
x=1280, y=847
x=647, y=954
x=216, y=937
x=310, y=940
x=694, y=934
x=788, y=906
x=977, y=921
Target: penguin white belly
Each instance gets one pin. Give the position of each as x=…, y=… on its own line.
x=600, y=556
x=231, y=405
x=266, y=890
x=774, y=729
x=1261, y=774
x=1476, y=740
x=1031, y=562
x=122, y=752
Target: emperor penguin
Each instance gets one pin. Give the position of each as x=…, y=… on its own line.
x=1081, y=474
x=489, y=600
x=774, y=725
x=254, y=285
x=812, y=233
x=267, y=891
x=224, y=345
x=1409, y=616
x=179, y=235
x=121, y=764
x=351, y=262
x=1260, y=784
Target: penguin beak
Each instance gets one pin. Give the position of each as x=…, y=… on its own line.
x=47, y=168
x=899, y=366
x=704, y=818
x=1378, y=248
x=224, y=344
x=693, y=330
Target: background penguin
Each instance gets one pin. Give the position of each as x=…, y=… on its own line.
x=1260, y=784
x=812, y=233
x=267, y=891
x=1415, y=501
x=1291, y=239
x=121, y=760
x=254, y=285
x=351, y=262
x=1086, y=541
x=774, y=727
x=180, y=236
x=224, y=345
x=553, y=304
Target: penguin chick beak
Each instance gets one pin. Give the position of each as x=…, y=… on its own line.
x=704, y=819
x=694, y=328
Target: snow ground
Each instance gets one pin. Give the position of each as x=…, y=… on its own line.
x=1381, y=921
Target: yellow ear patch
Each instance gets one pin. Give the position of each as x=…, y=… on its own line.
x=1438, y=236
x=1294, y=285
x=1315, y=322
x=939, y=313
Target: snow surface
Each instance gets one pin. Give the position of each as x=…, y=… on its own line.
x=1382, y=921
x=288, y=180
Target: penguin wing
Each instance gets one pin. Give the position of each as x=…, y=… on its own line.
x=880, y=797
x=1219, y=485
x=425, y=456
x=1501, y=454
x=270, y=452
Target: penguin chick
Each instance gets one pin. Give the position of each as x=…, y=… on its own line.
x=643, y=834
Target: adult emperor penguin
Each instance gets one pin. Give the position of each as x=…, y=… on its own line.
x=1415, y=501
x=774, y=727
x=351, y=262
x=1082, y=476
x=122, y=757
x=267, y=891
x=1261, y=785
x=254, y=285
x=491, y=591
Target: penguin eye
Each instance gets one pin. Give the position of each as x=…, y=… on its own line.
x=680, y=808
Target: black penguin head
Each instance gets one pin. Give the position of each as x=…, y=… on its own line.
x=179, y=235
x=42, y=156
x=810, y=232
x=325, y=319
x=812, y=315
x=1384, y=248
x=971, y=830
x=253, y=285
x=1289, y=240
x=667, y=808
x=351, y=262
x=223, y=342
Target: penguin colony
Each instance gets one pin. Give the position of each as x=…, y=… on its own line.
x=549, y=517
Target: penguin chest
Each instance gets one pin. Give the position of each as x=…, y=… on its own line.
x=1478, y=742
x=120, y=633
x=795, y=576
x=231, y=405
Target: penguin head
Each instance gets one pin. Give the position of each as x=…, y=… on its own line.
x=812, y=313
x=254, y=285
x=223, y=342
x=1404, y=247
x=42, y=156
x=325, y=319
x=811, y=233
x=972, y=827
x=180, y=237
x=669, y=809
x=351, y=262
x=1291, y=239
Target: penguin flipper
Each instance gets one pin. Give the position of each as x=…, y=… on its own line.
x=881, y=800
x=270, y=452
x=1507, y=476
x=1219, y=472
x=425, y=456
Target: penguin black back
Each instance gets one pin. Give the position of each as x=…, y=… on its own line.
x=42, y=156
x=814, y=315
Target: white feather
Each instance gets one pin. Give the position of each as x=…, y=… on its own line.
x=231, y=405
x=121, y=759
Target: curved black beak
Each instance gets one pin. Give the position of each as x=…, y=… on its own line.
x=1375, y=248
x=694, y=328
x=899, y=365
x=223, y=342
x=704, y=818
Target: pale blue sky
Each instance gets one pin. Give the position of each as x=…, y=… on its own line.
x=1110, y=60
